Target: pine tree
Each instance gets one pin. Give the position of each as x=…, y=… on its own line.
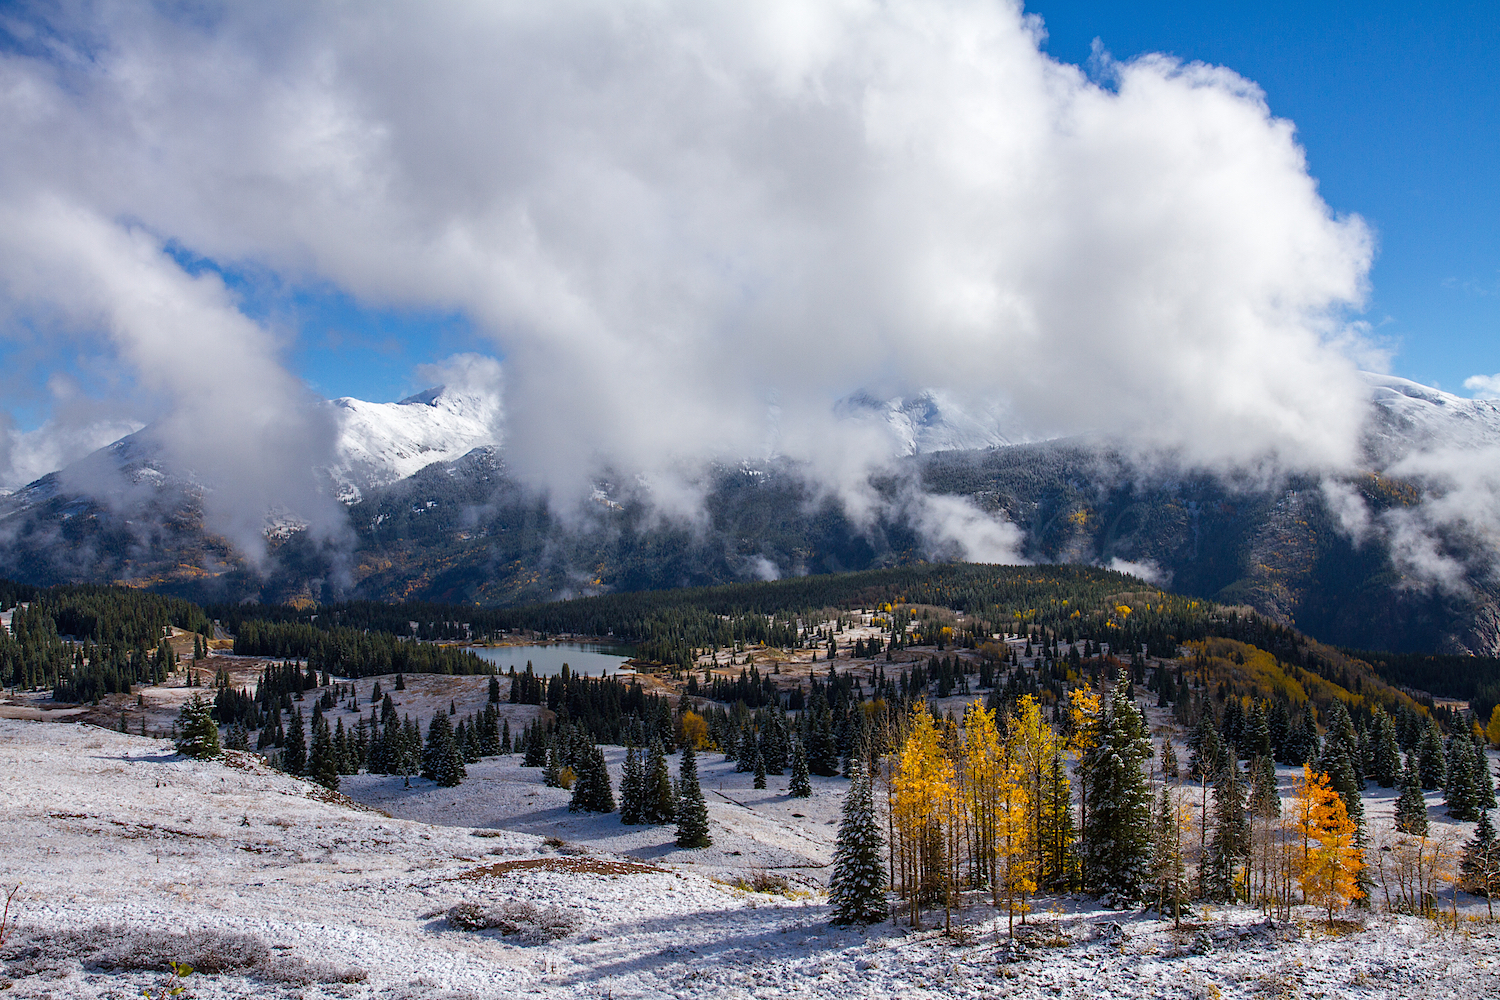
x=1230, y=845
x=1117, y=833
x=1386, y=761
x=760, y=769
x=1461, y=792
x=322, y=762
x=552, y=773
x=197, y=733
x=692, y=812
x=800, y=787
x=1169, y=770
x=1430, y=762
x=1479, y=871
x=1411, y=804
x=659, y=801
x=1169, y=870
x=294, y=753
x=856, y=890
x=442, y=761
x=536, y=747
x=505, y=745
x=591, y=790
x=1484, y=782
x=822, y=749
x=631, y=784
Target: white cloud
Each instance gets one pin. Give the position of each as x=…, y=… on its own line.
x=667, y=215
x=1484, y=386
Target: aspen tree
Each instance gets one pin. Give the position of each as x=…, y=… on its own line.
x=1331, y=862
x=1032, y=744
x=982, y=766
x=922, y=789
x=1085, y=715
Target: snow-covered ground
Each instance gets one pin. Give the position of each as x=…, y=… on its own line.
x=129, y=856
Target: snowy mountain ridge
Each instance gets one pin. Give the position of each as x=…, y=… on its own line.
x=382, y=443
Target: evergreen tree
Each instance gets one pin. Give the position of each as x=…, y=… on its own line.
x=505, y=745
x=294, y=753
x=1479, y=870
x=856, y=890
x=631, y=785
x=760, y=769
x=552, y=773
x=1230, y=844
x=591, y=790
x=197, y=733
x=692, y=812
x=1167, y=864
x=1264, y=800
x=322, y=762
x=659, y=801
x=442, y=761
x=536, y=747
x=822, y=749
x=1462, y=791
x=1386, y=753
x=1117, y=833
x=1484, y=783
x=800, y=786
x=1411, y=805
x=1430, y=762
x=1169, y=770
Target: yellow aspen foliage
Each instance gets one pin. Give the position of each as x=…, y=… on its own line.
x=982, y=769
x=1032, y=744
x=922, y=793
x=1012, y=840
x=694, y=730
x=1492, y=731
x=1330, y=862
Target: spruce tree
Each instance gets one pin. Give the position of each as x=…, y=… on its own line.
x=1411, y=804
x=294, y=753
x=322, y=762
x=692, y=812
x=1484, y=783
x=197, y=733
x=442, y=761
x=800, y=787
x=1462, y=791
x=659, y=801
x=1230, y=844
x=1168, y=867
x=760, y=769
x=591, y=790
x=1169, y=770
x=631, y=785
x=1479, y=870
x=1117, y=834
x=552, y=773
x=535, y=754
x=1430, y=762
x=857, y=889
x=1386, y=763
x=822, y=749
x=505, y=745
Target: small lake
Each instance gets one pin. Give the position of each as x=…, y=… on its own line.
x=547, y=661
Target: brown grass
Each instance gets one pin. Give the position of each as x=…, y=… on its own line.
x=574, y=866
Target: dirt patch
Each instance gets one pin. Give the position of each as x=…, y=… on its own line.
x=573, y=866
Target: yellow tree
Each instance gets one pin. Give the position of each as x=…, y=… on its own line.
x=922, y=795
x=1032, y=745
x=1330, y=862
x=982, y=771
x=1086, y=716
x=1013, y=839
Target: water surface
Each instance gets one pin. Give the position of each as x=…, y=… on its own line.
x=582, y=658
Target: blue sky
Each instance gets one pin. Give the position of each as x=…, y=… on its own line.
x=1398, y=107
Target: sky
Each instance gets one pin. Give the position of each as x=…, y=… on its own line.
x=1397, y=106
x=690, y=231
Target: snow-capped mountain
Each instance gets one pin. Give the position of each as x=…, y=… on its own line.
x=926, y=423
x=382, y=443
x=1407, y=417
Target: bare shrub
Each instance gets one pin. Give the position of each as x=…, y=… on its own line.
x=532, y=924
x=113, y=947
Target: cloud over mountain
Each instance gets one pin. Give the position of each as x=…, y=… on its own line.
x=690, y=229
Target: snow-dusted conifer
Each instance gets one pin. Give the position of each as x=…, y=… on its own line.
x=322, y=762
x=857, y=888
x=592, y=791
x=659, y=798
x=1411, y=805
x=294, y=753
x=197, y=733
x=692, y=811
x=630, y=788
x=800, y=786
